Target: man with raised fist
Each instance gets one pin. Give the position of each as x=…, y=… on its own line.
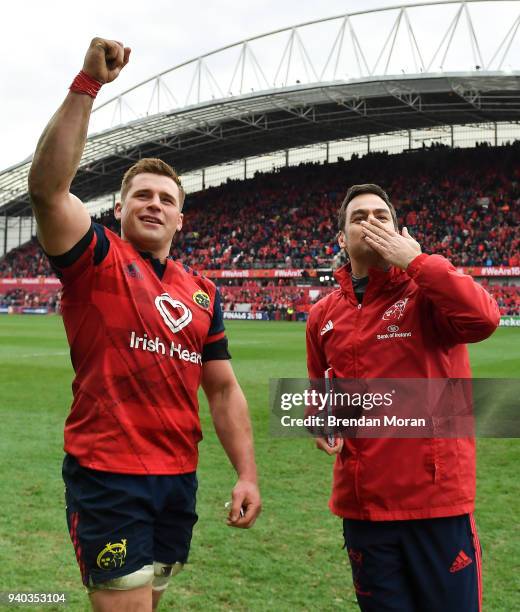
x=144, y=332
x=406, y=504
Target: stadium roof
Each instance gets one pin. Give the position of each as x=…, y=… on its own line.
x=328, y=80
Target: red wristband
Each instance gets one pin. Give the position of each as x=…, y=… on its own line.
x=85, y=84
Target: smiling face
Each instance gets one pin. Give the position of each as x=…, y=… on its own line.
x=150, y=214
x=363, y=207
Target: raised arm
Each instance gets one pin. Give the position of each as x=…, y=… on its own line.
x=62, y=219
x=231, y=418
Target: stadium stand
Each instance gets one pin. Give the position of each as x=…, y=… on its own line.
x=460, y=203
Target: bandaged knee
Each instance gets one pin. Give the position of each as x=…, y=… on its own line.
x=162, y=572
x=139, y=578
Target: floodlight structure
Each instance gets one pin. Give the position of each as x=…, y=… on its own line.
x=391, y=69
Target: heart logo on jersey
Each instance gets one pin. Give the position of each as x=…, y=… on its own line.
x=165, y=304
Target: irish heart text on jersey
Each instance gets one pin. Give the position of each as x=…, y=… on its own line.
x=156, y=345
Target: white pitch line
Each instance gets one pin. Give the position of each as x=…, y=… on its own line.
x=29, y=355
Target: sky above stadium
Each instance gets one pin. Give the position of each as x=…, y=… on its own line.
x=43, y=44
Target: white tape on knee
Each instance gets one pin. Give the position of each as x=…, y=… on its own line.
x=136, y=579
x=162, y=572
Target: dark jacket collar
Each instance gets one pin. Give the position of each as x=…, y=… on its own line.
x=378, y=280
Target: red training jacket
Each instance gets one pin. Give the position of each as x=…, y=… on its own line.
x=389, y=478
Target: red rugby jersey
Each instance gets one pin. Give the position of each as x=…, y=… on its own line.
x=137, y=343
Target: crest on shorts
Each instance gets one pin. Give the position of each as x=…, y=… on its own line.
x=201, y=298
x=112, y=556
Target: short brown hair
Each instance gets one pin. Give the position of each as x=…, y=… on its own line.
x=153, y=165
x=356, y=190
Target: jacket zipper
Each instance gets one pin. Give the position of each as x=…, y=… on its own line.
x=355, y=344
x=356, y=375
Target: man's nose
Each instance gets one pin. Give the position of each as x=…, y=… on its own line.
x=155, y=201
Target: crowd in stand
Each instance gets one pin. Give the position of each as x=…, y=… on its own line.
x=20, y=298
x=27, y=261
x=254, y=296
x=507, y=296
x=460, y=203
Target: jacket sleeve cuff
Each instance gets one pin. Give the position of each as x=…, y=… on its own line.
x=416, y=264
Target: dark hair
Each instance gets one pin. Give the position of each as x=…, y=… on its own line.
x=152, y=165
x=356, y=190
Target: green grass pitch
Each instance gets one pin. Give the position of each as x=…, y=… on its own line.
x=293, y=558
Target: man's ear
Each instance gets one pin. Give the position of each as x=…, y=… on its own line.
x=117, y=210
x=342, y=240
x=179, y=223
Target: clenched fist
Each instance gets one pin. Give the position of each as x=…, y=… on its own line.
x=105, y=59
